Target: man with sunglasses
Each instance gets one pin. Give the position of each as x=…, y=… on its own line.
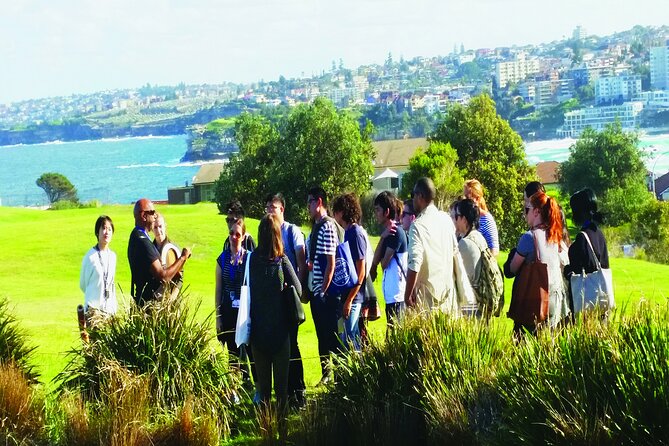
x=147, y=271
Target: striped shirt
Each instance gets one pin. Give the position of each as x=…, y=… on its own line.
x=326, y=244
x=488, y=228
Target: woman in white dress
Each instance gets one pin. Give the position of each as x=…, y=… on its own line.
x=98, y=271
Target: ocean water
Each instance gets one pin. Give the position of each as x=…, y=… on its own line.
x=111, y=170
x=123, y=170
x=656, y=148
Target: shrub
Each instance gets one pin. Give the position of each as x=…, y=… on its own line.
x=61, y=205
x=21, y=411
x=444, y=381
x=410, y=390
x=14, y=346
x=164, y=345
x=652, y=230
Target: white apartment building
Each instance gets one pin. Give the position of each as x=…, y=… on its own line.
x=659, y=68
x=516, y=70
x=361, y=83
x=579, y=33
x=654, y=100
x=337, y=95
x=597, y=118
x=617, y=88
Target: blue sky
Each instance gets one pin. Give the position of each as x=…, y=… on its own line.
x=52, y=48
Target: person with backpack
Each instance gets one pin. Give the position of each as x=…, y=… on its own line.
x=325, y=235
x=294, y=248
x=347, y=213
x=482, y=269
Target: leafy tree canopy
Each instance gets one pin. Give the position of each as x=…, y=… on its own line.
x=314, y=145
x=437, y=162
x=611, y=164
x=57, y=187
x=489, y=150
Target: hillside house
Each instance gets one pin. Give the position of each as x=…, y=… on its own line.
x=201, y=189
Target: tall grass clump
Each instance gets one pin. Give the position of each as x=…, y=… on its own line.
x=420, y=386
x=439, y=380
x=21, y=410
x=594, y=383
x=14, y=346
x=164, y=347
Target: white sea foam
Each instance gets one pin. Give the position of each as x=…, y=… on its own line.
x=139, y=166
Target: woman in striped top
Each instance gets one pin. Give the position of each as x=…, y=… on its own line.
x=230, y=266
x=487, y=227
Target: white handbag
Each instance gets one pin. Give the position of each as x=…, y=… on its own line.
x=243, y=326
x=594, y=290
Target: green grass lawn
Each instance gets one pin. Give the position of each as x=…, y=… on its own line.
x=42, y=253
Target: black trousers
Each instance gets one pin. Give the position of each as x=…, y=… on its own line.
x=325, y=312
x=274, y=364
x=296, y=369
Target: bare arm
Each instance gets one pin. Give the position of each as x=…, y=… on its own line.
x=329, y=272
x=388, y=256
x=301, y=260
x=360, y=269
x=376, y=260
x=516, y=263
x=166, y=274
x=409, y=296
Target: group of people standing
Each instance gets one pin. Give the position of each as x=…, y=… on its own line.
x=419, y=249
x=156, y=265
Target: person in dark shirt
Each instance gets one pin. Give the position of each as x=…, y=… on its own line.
x=270, y=272
x=584, y=210
x=347, y=213
x=230, y=267
x=147, y=272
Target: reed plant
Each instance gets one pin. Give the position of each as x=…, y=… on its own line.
x=14, y=346
x=21, y=409
x=165, y=347
x=440, y=380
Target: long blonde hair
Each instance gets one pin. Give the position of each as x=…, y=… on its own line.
x=476, y=193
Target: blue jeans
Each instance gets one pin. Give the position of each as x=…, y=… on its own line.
x=351, y=332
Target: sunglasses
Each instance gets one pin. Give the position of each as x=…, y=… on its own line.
x=407, y=214
x=527, y=210
x=231, y=219
x=150, y=212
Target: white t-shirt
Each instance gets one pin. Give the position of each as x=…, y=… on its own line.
x=94, y=267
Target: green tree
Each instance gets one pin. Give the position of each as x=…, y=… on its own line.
x=490, y=151
x=245, y=177
x=314, y=145
x=611, y=164
x=320, y=146
x=57, y=187
x=438, y=162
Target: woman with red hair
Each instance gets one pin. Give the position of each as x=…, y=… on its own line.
x=545, y=238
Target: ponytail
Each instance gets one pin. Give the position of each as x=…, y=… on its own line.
x=550, y=214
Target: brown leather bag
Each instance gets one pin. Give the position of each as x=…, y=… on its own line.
x=529, y=299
